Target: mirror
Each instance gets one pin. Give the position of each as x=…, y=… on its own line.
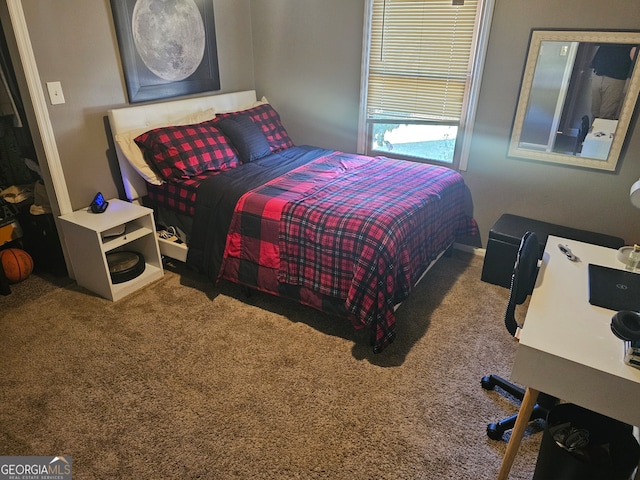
x=562, y=116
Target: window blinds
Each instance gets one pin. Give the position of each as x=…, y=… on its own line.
x=419, y=59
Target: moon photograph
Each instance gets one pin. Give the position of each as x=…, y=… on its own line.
x=169, y=36
x=168, y=47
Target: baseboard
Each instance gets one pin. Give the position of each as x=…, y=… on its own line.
x=470, y=249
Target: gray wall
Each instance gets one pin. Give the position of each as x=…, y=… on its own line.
x=305, y=56
x=308, y=61
x=74, y=42
x=577, y=197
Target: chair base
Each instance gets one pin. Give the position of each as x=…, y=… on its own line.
x=495, y=431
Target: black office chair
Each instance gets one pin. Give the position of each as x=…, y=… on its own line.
x=523, y=279
x=585, y=126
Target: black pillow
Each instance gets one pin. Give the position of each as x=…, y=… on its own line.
x=247, y=137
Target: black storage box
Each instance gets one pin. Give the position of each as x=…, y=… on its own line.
x=40, y=240
x=505, y=236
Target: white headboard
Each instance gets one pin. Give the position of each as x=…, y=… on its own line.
x=152, y=115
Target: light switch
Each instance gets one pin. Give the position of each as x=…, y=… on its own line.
x=55, y=93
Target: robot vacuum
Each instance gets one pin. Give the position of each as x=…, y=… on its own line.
x=125, y=265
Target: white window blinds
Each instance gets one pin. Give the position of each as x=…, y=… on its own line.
x=419, y=59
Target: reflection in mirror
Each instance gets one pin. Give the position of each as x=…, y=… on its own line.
x=578, y=93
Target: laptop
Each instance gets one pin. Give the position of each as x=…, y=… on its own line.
x=614, y=289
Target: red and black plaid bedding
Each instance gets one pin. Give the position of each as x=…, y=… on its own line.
x=349, y=227
x=179, y=197
x=216, y=200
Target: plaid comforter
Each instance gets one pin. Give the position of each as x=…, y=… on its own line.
x=351, y=227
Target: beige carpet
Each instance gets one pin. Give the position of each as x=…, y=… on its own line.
x=185, y=380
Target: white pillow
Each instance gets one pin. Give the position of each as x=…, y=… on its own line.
x=262, y=101
x=126, y=142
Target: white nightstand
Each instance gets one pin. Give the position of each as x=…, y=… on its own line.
x=87, y=245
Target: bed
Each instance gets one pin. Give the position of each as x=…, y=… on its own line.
x=347, y=234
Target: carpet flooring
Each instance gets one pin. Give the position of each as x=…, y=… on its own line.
x=187, y=380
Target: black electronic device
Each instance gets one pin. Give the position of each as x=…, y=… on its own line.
x=613, y=288
x=626, y=326
x=125, y=265
x=99, y=204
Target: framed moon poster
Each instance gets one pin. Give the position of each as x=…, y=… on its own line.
x=168, y=47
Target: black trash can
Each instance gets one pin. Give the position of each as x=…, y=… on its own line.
x=583, y=445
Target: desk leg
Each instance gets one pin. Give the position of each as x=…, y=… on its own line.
x=524, y=414
x=636, y=434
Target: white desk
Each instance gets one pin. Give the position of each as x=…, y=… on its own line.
x=598, y=141
x=567, y=348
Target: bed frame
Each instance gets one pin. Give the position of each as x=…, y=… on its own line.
x=152, y=115
x=140, y=118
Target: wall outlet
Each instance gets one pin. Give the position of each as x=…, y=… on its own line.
x=55, y=93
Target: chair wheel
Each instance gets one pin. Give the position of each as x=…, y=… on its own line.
x=493, y=433
x=487, y=383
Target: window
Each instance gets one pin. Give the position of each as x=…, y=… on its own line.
x=422, y=65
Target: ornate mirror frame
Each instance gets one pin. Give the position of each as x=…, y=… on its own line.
x=557, y=118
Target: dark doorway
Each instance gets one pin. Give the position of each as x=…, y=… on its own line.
x=26, y=220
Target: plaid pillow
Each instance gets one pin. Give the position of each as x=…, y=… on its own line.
x=180, y=152
x=269, y=121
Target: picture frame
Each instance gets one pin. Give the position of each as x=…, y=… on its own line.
x=168, y=49
x=554, y=120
